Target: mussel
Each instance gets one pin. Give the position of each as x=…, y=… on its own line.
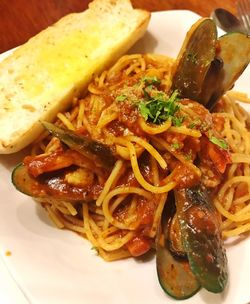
x=201, y=237
x=98, y=152
x=53, y=186
x=205, y=69
x=48, y=187
x=173, y=269
x=194, y=59
x=202, y=262
x=233, y=52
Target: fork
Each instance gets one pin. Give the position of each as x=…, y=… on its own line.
x=243, y=8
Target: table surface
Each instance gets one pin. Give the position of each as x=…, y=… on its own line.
x=22, y=19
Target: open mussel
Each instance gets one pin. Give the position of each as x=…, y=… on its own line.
x=201, y=237
x=48, y=187
x=33, y=178
x=189, y=247
x=194, y=59
x=233, y=52
x=207, y=67
x=173, y=269
x=98, y=152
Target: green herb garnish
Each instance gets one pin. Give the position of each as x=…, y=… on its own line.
x=120, y=98
x=188, y=156
x=192, y=125
x=159, y=108
x=151, y=80
x=195, y=123
x=144, y=110
x=149, y=83
x=219, y=142
x=177, y=121
x=175, y=146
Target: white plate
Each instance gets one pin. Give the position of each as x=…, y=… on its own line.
x=56, y=266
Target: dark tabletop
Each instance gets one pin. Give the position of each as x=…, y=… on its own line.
x=22, y=19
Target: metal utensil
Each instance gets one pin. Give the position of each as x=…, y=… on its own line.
x=227, y=21
x=243, y=7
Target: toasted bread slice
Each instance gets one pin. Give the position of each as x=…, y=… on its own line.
x=42, y=76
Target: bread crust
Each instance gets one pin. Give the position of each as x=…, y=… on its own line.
x=43, y=76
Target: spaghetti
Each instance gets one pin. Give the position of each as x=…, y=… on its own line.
x=156, y=151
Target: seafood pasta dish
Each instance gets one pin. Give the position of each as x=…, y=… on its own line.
x=155, y=157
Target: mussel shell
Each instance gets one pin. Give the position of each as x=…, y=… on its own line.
x=201, y=237
x=194, y=59
x=98, y=152
x=174, y=273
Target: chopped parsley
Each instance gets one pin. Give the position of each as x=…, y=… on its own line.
x=192, y=125
x=197, y=122
x=120, y=98
x=177, y=121
x=149, y=83
x=153, y=104
x=175, y=146
x=159, y=108
x=219, y=142
x=151, y=80
x=188, y=156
